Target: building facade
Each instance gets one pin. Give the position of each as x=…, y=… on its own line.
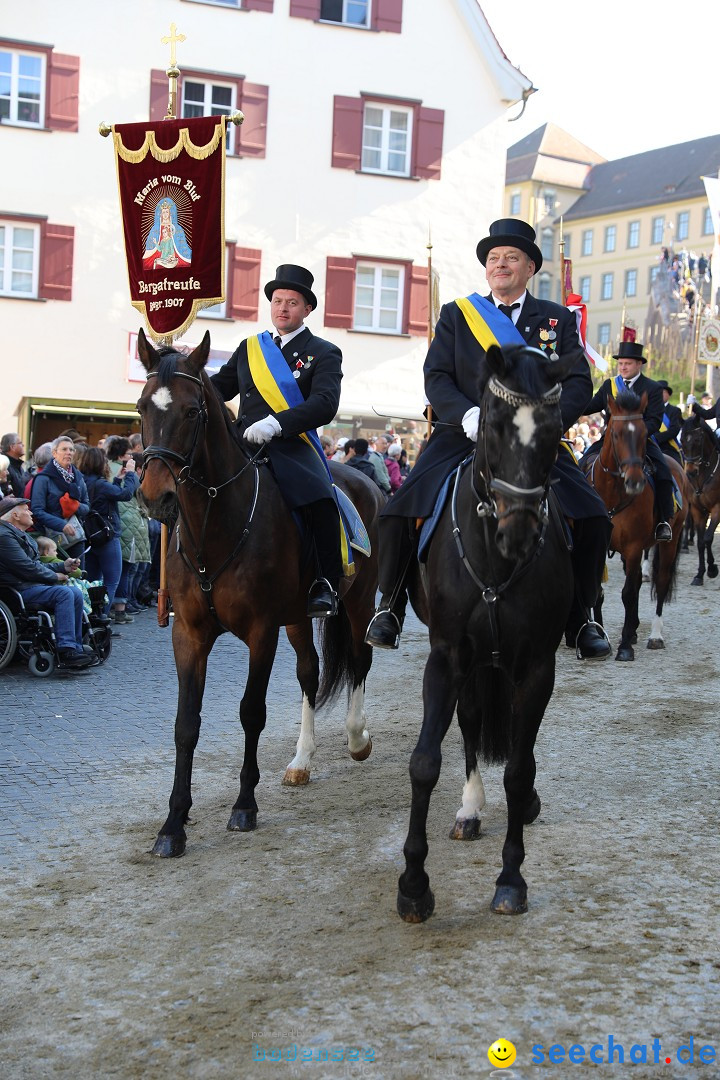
x=355, y=144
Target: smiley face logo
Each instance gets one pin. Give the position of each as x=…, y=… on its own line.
x=501, y=1054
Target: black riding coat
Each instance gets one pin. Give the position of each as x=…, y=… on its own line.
x=300, y=474
x=653, y=417
x=664, y=438
x=453, y=368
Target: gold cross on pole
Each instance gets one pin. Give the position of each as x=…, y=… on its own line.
x=171, y=40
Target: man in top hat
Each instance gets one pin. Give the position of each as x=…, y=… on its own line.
x=630, y=362
x=42, y=584
x=667, y=436
x=454, y=366
x=302, y=476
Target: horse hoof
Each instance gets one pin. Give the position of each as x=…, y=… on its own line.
x=360, y=755
x=296, y=777
x=242, y=821
x=169, y=847
x=466, y=829
x=697, y=580
x=415, y=911
x=655, y=643
x=625, y=653
x=712, y=571
x=509, y=900
x=532, y=809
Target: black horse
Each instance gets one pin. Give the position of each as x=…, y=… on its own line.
x=496, y=594
x=702, y=468
x=237, y=563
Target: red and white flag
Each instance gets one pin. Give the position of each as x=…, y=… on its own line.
x=574, y=303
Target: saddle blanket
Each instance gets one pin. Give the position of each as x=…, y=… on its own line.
x=357, y=533
x=429, y=524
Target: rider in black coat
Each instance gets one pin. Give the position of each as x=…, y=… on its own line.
x=454, y=365
x=667, y=436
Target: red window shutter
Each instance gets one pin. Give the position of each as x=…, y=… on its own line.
x=305, y=9
x=417, y=309
x=339, y=292
x=347, y=132
x=243, y=285
x=258, y=5
x=56, y=261
x=159, y=94
x=387, y=15
x=63, y=92
x=252, y=134
x=428, y=143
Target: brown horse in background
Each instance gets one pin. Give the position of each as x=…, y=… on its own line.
x=702, y=468
x=617, y=474
x=236, y=563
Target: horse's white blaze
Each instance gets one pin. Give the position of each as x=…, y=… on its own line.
x=473, y=798
x=631, y=427
x=355, y=722
x=656, y=630
x=305, y=749
x=524, y=421
x=162, y=398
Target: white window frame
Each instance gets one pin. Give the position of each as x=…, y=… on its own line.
x=658, y=230
x=707, y=229
x=585, y=283
x=209, y=108
x=378, y=268
x=344, y=20
x=547, y=244
x=607, y=285
x=544, y=286
x=604, y=329
x=387, y=109
x=549, y=201
x=515, y=201
x=6, y=259
x=631, y=277
x=610, y=238
x=587, y=242
x=683, y=225
x=15, y=76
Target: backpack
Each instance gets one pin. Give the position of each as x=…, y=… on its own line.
x=98, y=530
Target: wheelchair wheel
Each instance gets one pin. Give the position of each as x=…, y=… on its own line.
x=42, y=664
x=99, y=638
x=8, y=635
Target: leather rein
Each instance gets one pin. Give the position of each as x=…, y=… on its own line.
x=170, y=457
x=703, y=463
x=618, y=473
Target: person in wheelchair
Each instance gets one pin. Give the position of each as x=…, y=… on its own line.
x=41, y=585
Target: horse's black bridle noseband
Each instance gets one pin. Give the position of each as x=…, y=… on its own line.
x=163, y=453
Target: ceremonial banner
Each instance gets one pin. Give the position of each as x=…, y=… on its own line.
x=709, y=341
x=629, y=333
x=171, y=178
x=575, y=304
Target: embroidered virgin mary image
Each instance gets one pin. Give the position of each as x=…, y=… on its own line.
x=167, y=246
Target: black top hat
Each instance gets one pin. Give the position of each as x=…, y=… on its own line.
x=298, y=278
x=664, y=386
x=511, y=232
x=630, y=350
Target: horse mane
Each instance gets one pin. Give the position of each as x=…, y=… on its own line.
x=528, y=376
x=629, y=400
x=168, y=364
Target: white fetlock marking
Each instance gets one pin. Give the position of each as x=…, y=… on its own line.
x=656, y=630
x=305, y=749
x=473, y=798
x=357, y=734
x=645, y=569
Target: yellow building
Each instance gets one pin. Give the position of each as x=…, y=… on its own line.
x=617, y=216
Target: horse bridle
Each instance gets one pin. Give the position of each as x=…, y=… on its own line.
x=626, y=462
x=163, y=453
x=702, y=462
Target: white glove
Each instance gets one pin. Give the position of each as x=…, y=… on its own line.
x=470, y=422
x=262, y=430
x=691, y=399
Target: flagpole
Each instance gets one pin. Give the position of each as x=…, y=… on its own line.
x=563, y=290
x=430, y=327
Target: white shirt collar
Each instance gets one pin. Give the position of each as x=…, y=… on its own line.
x=284, y=338
x=520, y=300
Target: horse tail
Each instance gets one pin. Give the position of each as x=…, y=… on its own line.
x=672, y=574
x=336, y=648
x=493, y=693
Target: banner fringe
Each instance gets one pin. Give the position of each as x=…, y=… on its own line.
x=184, y=142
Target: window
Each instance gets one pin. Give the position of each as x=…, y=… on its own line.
x=567, y=245
x=246, y=5
x=633, y=234
x=610, y=237
x=707, y=227
x=387, y=137
x=546, y=246
x=387, y=132
x=654, y=274
x=656, y=232
x=606, y=287
x=38, y=87
x=631, y=282
x=587, y=242
x=515, y=204
x=683, y=225
x=585, y=289
x=36, y=258
x=350, y=12
x=204, y=94
x=544, y=284
x=549, y=199
x=375, y=14
x=604, y=333
x=376, y=295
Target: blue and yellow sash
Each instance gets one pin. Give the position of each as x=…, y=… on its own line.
x=617, y=385
x=273, y=379
x=489, y=325
x=665, y=426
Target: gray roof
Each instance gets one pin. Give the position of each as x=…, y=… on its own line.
x=670, y=174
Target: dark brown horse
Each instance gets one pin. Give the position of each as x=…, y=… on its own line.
x=236, y=563
x=702, y=468
x=618, y=475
